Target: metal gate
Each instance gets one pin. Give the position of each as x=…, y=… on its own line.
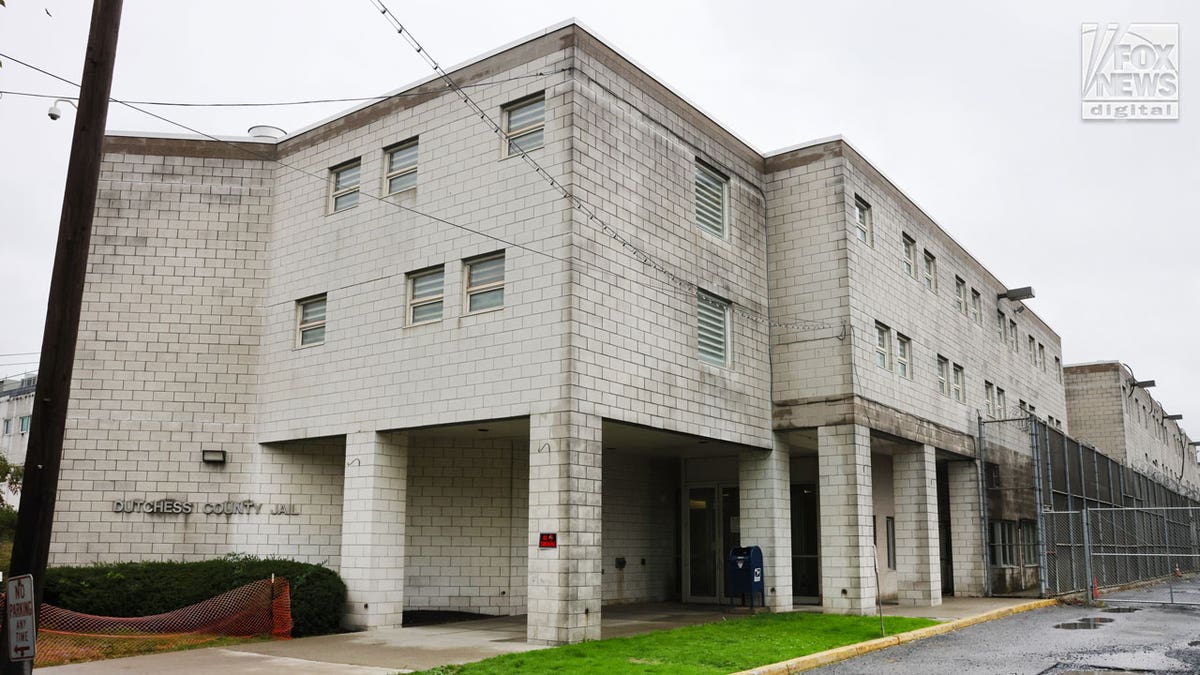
x=1113, y=550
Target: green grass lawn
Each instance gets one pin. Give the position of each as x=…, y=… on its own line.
x=721, y=647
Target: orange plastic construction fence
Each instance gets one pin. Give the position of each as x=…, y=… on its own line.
x=258, y=609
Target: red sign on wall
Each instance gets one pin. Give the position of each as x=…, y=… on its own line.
x=548, y=540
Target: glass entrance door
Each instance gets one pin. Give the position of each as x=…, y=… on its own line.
x=712, y=528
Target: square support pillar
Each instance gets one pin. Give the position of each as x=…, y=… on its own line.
x=564, y=584
x=847, y=545
x=918, y=559
x=966, y=536
x=764, y=502
x=373, y=513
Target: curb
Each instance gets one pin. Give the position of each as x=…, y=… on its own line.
x=835, y=655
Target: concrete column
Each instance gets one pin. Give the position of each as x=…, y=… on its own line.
x=373, y=513
x=918, y=560
x=847, y=552
x=966, y=539
x=564, y=585
x=765, y=502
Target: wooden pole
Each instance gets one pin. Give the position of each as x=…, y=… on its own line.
x=35, y=517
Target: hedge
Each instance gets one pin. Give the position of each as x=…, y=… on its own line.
x=146, y=588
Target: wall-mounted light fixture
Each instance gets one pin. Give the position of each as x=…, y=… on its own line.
x=1022, y=293
x=1172, y=417
x=213, y=456
x=1144, y=384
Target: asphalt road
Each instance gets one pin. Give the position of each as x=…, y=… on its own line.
x=1153, y=639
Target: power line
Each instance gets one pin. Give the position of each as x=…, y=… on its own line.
x=577, y=202
x=264, y=104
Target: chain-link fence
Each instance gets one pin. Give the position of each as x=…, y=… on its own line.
x=1114, y=547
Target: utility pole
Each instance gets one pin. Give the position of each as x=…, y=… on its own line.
x=40, y=486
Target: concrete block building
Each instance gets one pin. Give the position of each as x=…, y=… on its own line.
x=385, y=343
x=1110, y=409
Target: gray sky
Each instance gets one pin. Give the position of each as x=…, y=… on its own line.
x=971, y=108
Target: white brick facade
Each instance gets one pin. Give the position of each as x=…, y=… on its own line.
x=425, y=461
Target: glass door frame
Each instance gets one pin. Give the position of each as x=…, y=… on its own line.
x=721, y=546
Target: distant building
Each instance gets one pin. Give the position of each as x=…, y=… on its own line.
x=1111, y=410
x=16, y=413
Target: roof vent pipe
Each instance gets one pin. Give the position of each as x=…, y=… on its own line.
x=265, y=132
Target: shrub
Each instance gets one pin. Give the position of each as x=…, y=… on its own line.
x=146, y=588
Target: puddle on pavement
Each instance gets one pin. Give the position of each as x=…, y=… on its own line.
x=1194, y=643
x=1085, y=624
x=1121, y=610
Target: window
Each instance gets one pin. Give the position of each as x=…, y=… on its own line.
x=1041, y=356
x=943, y=374
x=712, y=327
x=862, y=220
x=890, y=525
x=976, y=307
x=1001, y=403
x=425, y=295
x=485, y=282
x=883, y=346
x=7, y=426
x=310, y=321
x=991, y=476
x=525, y=124
x=1032, y=351
x=957, y=387
x=930, y=272
x=712, y=189
x=1001, y=320
x=1058, y=368
x=401, y=167
x=1012, y=336
x=904, y=356
x=960, y=296
x=344, y=186
x=25, y=421
x=1029, y=555
x=1002, y=542
x=910, y=256
x=989, y=393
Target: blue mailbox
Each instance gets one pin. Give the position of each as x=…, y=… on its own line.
x=744, y=574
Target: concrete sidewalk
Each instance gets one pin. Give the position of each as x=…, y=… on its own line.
x=418, y=648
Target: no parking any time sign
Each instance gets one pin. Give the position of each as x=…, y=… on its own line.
x=21, y=619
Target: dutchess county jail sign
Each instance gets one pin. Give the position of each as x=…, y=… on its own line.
x=175, y=507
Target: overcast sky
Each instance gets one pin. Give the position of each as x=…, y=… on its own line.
x=972, y=109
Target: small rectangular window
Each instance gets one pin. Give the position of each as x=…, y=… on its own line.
x=943, y=374
x=862, y=220
x=525, y=124
x=930, y=272
x=343, y=188
x=976, y=307
x=310, y=321
x=1013, y=343
x=1058, y=368
x=7, y=426
x=890, y=524
x=712, y=327
x=960, y=296
x=26, y=420
x=883, y=346
x=485, y=282
x=958, y=386
x=425, y=295
x=712, y=192
x=1041, y=352
x=1032, y=351
x=904, y=356
x=401, y=167
x=910, y=256
x=1001, y=403
x=989, y=394
x=1029, y=547
x=1002, y=542
x=1001, y=321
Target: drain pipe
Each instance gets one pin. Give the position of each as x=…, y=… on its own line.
x=983, y=509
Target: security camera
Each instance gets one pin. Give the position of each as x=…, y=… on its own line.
x=54, y=112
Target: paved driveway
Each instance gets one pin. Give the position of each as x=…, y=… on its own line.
x=1152, y=639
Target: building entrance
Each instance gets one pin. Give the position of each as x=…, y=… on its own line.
x=710, y=529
